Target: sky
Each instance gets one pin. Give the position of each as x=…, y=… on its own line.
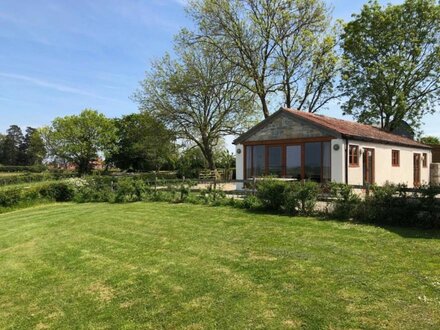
x=58, y=57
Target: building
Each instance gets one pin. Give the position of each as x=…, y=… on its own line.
x=300, y=145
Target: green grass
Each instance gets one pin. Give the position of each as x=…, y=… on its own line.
x=157, y=265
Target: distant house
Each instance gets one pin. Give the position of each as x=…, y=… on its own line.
x=300, y=145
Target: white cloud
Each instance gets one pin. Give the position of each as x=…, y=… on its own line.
x=47, y=84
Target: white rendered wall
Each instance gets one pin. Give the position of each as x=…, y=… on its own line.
x=239, y=165
x=384, y=171
x=337, y=160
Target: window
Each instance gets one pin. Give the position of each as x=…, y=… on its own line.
x=395, y=157
x=259, y=160
x=353, y=156
x=425, y=160
x=297, y=160
x=275, y=160
x=326, y=162
x=293, y=162
x=313, y=157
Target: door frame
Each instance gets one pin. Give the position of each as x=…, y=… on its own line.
x=417, y=175
x=365, y=165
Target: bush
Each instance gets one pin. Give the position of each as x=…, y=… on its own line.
x=59, y=192
x=130, y=190
x=92, y=190
x=251, y=202
x=13, y=168
x=270, y=192
x=10, y=197
x=300, y=198
x=346, y=202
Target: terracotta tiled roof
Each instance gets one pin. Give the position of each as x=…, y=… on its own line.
x=355, y=130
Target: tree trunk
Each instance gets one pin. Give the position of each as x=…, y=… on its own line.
x=264, y=105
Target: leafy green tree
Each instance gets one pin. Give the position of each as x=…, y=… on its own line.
x=278, y=45
x=144, y=144
x=430, y=140
x=190, y=163
x=392, y=63
x=33, y=148
x=80, y=139
x=197, y=96
x=12, y=153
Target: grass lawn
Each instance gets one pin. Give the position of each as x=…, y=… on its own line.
x=157, y=265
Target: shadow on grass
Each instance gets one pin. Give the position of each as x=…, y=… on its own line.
x=406, y=232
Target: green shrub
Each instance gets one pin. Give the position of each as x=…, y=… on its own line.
x=346, y=202
x=10, y=197
x=130, y=190
x=13, y=168
x=59, y=191
x=212, y=196
x=251, y=202
x=270, y=192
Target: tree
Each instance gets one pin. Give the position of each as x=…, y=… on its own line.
x=80, y=139
x=197, y=96
x=144, y=143
x=12, y=146
x=430, y=140
x=279, y=45
x=392, y=63
x=33, y=148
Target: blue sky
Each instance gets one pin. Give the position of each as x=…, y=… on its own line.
x=59, y=57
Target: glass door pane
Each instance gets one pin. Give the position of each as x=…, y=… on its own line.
x=259, y=160
x=275, y=160
x=293, y=162
x=326, y=162
x=312, y=164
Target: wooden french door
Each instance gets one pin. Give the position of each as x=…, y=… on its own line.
x=368, y=166
x=417, y=162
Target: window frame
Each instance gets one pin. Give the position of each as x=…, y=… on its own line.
x=351, y=162
x=425, y=160
x=393, y=163
x=283, y=143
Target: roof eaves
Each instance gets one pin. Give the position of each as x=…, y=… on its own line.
x=381, y=141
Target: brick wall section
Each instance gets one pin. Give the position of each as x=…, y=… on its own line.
x=286, y=127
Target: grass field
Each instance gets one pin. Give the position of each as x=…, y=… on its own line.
x=156, y=265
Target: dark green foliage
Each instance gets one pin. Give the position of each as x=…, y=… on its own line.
x=34, y=177
x=10, y=197
x=190, y=163
x=391, y=69
x=390, y=205
x=20, y=168
x=345, y=202
x=144, y=144
x=59, y=192
x=289, y=197
x=430, y=140
x=251, y=202
x=130, y=190
x=270, y=192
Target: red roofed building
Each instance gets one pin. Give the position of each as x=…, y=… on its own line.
x=300, y=145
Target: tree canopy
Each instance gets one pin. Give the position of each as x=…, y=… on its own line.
x=143, y=144
x=80, y=139
x=283, y=47
x=198, y=95
x=392, y=63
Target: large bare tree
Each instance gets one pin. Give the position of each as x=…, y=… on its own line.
x=198, y=95
x=279, y=45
